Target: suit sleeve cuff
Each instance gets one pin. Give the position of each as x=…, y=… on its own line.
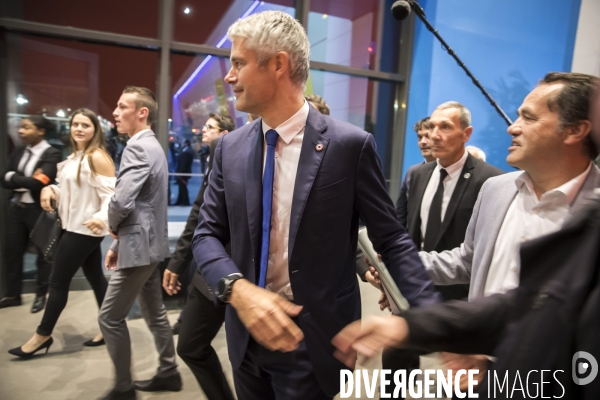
x=8, y=176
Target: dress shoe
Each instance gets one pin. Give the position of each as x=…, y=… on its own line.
x=38, y=304
x=171, y=383
x=17, y=351
x=91, y=343
x=8, y=302
x=117, y=395
x=176, y=328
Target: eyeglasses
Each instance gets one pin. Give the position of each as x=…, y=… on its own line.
x=209, y=127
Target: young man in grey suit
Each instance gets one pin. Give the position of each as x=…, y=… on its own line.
x=137, y=218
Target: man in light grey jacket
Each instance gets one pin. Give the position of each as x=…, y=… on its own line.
x=552, y=147
x=137, y=219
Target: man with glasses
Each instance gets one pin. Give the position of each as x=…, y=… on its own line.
x=203, y=320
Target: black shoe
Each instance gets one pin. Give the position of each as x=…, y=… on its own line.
x=38, y=304
x=116, y=395
x=171, y=383
x=91, y=343
x=7, y=302
x=176, y=328
x=17, y=351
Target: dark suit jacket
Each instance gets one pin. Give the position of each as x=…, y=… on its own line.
x=554, y=313
x=182, y=256
x=402, y=203
x=333, y=188
x=458, y=213
x=47, y=162
x=460, y=208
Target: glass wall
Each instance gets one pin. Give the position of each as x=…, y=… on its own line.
x=54, y=77
x=192, y=24
x=61, y=55
x=138, y=18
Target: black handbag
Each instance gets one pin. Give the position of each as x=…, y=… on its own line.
x=46, y=233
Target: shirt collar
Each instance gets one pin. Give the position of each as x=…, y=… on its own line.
x=456, y=167
x=568, y=189
x=39, y=148
x=137, y=135
x=293, y=126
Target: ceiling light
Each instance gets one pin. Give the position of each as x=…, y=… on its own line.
x=60, y=113
x=21, y=100
x=187, y=10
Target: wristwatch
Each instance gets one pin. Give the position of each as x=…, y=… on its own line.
x=225, y=284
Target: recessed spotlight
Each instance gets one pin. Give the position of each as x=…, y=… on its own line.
x=187, y=10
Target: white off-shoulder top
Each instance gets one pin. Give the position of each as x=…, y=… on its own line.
x=89, y=199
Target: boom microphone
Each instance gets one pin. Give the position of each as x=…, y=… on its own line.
x=401, y=10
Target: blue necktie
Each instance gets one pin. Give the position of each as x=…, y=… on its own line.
x=267, y=202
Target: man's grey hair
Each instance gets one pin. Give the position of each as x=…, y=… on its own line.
x=464, y=116
x=269, y=32
x=476, y=152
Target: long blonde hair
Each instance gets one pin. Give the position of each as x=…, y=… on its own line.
x=97, y=143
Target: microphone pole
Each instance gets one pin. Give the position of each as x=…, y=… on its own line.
x=421, y=14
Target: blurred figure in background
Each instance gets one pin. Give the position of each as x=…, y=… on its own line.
x=185, y=159
x=422, y=129
x=30, y=168
x=318, y=102
x=476, y=152
x=87, y=182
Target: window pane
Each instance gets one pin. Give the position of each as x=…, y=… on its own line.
x=193, y=25
x=54, y=77
x=351, y=33
x=139, y=17
x=198, y=90
x=365, y=103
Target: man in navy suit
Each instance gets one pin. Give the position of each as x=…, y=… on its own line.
x=325, y=174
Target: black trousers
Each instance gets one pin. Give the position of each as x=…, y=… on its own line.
x=20, y=222
x=273, y=375
x=200, y=323
x=183, y=197
x=74, y=250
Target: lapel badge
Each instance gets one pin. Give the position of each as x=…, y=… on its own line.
x=319, y=147
x=467, y=175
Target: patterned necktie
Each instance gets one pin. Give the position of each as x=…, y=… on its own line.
x=434, y=222
x=267, y=203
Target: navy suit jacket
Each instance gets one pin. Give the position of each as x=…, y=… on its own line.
x=334, y=187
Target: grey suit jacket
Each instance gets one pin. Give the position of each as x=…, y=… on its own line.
x=137, y=212
x=470, y=263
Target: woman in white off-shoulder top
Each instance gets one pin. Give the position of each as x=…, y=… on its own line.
x=86, y=182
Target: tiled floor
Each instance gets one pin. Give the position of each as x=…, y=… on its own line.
x=71, y=372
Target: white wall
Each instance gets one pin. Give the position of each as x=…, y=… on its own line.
x=586, y=56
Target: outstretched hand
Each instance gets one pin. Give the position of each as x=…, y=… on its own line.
x=368, y=337
x=266, y=315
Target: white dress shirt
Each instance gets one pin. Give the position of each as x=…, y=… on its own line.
x=36, y=153
x=287, y=155
x=528, y=218
x=453, y=171
x=89, y=199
